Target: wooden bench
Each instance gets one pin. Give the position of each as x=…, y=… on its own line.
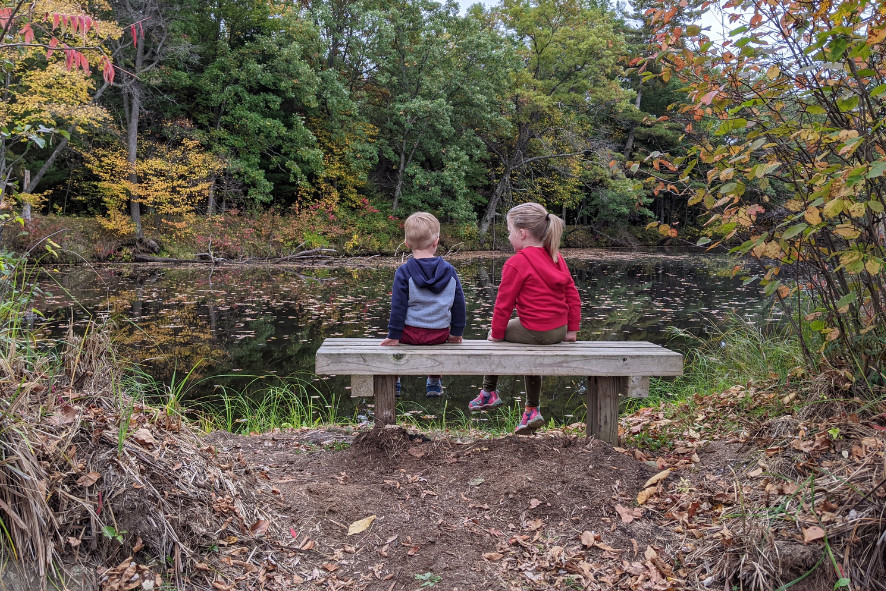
x=608, y=366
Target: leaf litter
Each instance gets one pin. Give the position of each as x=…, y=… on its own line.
x=136, y=496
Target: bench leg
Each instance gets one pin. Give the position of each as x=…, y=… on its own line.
x=385, y=400
x=602, y=413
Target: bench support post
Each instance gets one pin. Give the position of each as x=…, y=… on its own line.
x=385, y=400
x=602, y=413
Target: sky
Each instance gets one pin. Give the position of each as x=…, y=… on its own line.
x=465, y=4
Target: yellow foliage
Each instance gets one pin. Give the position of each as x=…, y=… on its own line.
x=343, y=174
x=173, y=180
x=51, y=96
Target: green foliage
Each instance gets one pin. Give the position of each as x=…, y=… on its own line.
x=432, y=75
x=551, y=143
x=428, y=579
x=787, y=117
x=254, y=98
x=294, y=405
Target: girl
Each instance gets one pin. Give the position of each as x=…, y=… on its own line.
x=538, y=282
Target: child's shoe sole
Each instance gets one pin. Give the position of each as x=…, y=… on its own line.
x=495, y=404
x=530, y=427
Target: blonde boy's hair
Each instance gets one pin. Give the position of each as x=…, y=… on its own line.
x=536, y=220
x=421, y=230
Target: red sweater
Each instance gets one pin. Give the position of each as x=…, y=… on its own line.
x=543, y=292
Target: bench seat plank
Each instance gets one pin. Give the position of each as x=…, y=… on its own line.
x=480, y=357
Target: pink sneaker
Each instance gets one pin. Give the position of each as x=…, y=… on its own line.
x=530, y=421
x=485, y=401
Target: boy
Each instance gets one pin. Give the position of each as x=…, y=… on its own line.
x=427, y=302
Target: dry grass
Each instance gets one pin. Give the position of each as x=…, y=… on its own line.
x=91, y=476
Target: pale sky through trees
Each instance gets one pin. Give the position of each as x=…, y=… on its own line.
x=465, y=4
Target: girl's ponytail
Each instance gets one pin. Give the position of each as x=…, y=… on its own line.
x=546, y=227
x=554, y=233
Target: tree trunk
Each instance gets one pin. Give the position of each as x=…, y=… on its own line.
x=489, y=216
x=135, y=95
x=26, y=206
x=210, y=205
x=629, y=144
x=401, y=171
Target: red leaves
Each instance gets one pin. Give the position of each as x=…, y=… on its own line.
x=709, y=97
x=107, y=69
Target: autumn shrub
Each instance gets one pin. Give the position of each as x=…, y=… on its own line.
x=784, y=117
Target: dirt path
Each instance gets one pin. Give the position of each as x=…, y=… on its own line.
x=550, y=511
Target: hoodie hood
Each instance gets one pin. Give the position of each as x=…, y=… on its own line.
x=431, y=274
x=550, y=273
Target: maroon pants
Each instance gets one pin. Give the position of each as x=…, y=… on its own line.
x=414, y=335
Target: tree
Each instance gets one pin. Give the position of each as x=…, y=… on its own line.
x=795, y=102
x=174, y=175
x=254, y=101
x=46, y=53
x=569, y=52
x=428, y=82
x=149, y=23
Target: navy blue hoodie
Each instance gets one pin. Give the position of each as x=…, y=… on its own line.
x=427, y=294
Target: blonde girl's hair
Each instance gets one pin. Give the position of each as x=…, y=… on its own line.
x=544, y=226
x=421, y=229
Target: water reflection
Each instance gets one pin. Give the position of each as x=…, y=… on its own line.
x=269, y=321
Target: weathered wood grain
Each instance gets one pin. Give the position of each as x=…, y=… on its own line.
x=598, y=358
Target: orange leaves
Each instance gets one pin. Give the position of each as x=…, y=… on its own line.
x=876, y=35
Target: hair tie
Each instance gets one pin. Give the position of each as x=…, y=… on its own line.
x=548, y=217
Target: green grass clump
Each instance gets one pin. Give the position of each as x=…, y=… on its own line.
x=288, y=406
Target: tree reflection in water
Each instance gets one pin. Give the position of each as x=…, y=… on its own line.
x=269, y=321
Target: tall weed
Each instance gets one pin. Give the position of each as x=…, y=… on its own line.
x=733, y=351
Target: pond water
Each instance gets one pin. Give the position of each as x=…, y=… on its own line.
x=238, y=323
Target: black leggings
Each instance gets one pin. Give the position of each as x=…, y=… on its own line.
x=517, y=333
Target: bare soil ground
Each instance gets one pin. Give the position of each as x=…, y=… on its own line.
x=497, y=513
x=788, y=499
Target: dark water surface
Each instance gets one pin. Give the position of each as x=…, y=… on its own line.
x=270, y=320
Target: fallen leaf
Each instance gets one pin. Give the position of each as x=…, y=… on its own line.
x=416, y=452
x=644, y=495
x=360, y=525
x=89, y=479
x=535, y=524
x=493, y=556
x=65, y=415
x=755, y=473
x=476, y=481
x=533, y=503
x=606, y=547
x=588, y=538
x=813, y=533
x=307, y=545
x=144, y=437
x=139, y=544
x=260, y=527
x=74, y=542
x=628, y=515
x=657, y=478
x=329, y=567
x=202, y=566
